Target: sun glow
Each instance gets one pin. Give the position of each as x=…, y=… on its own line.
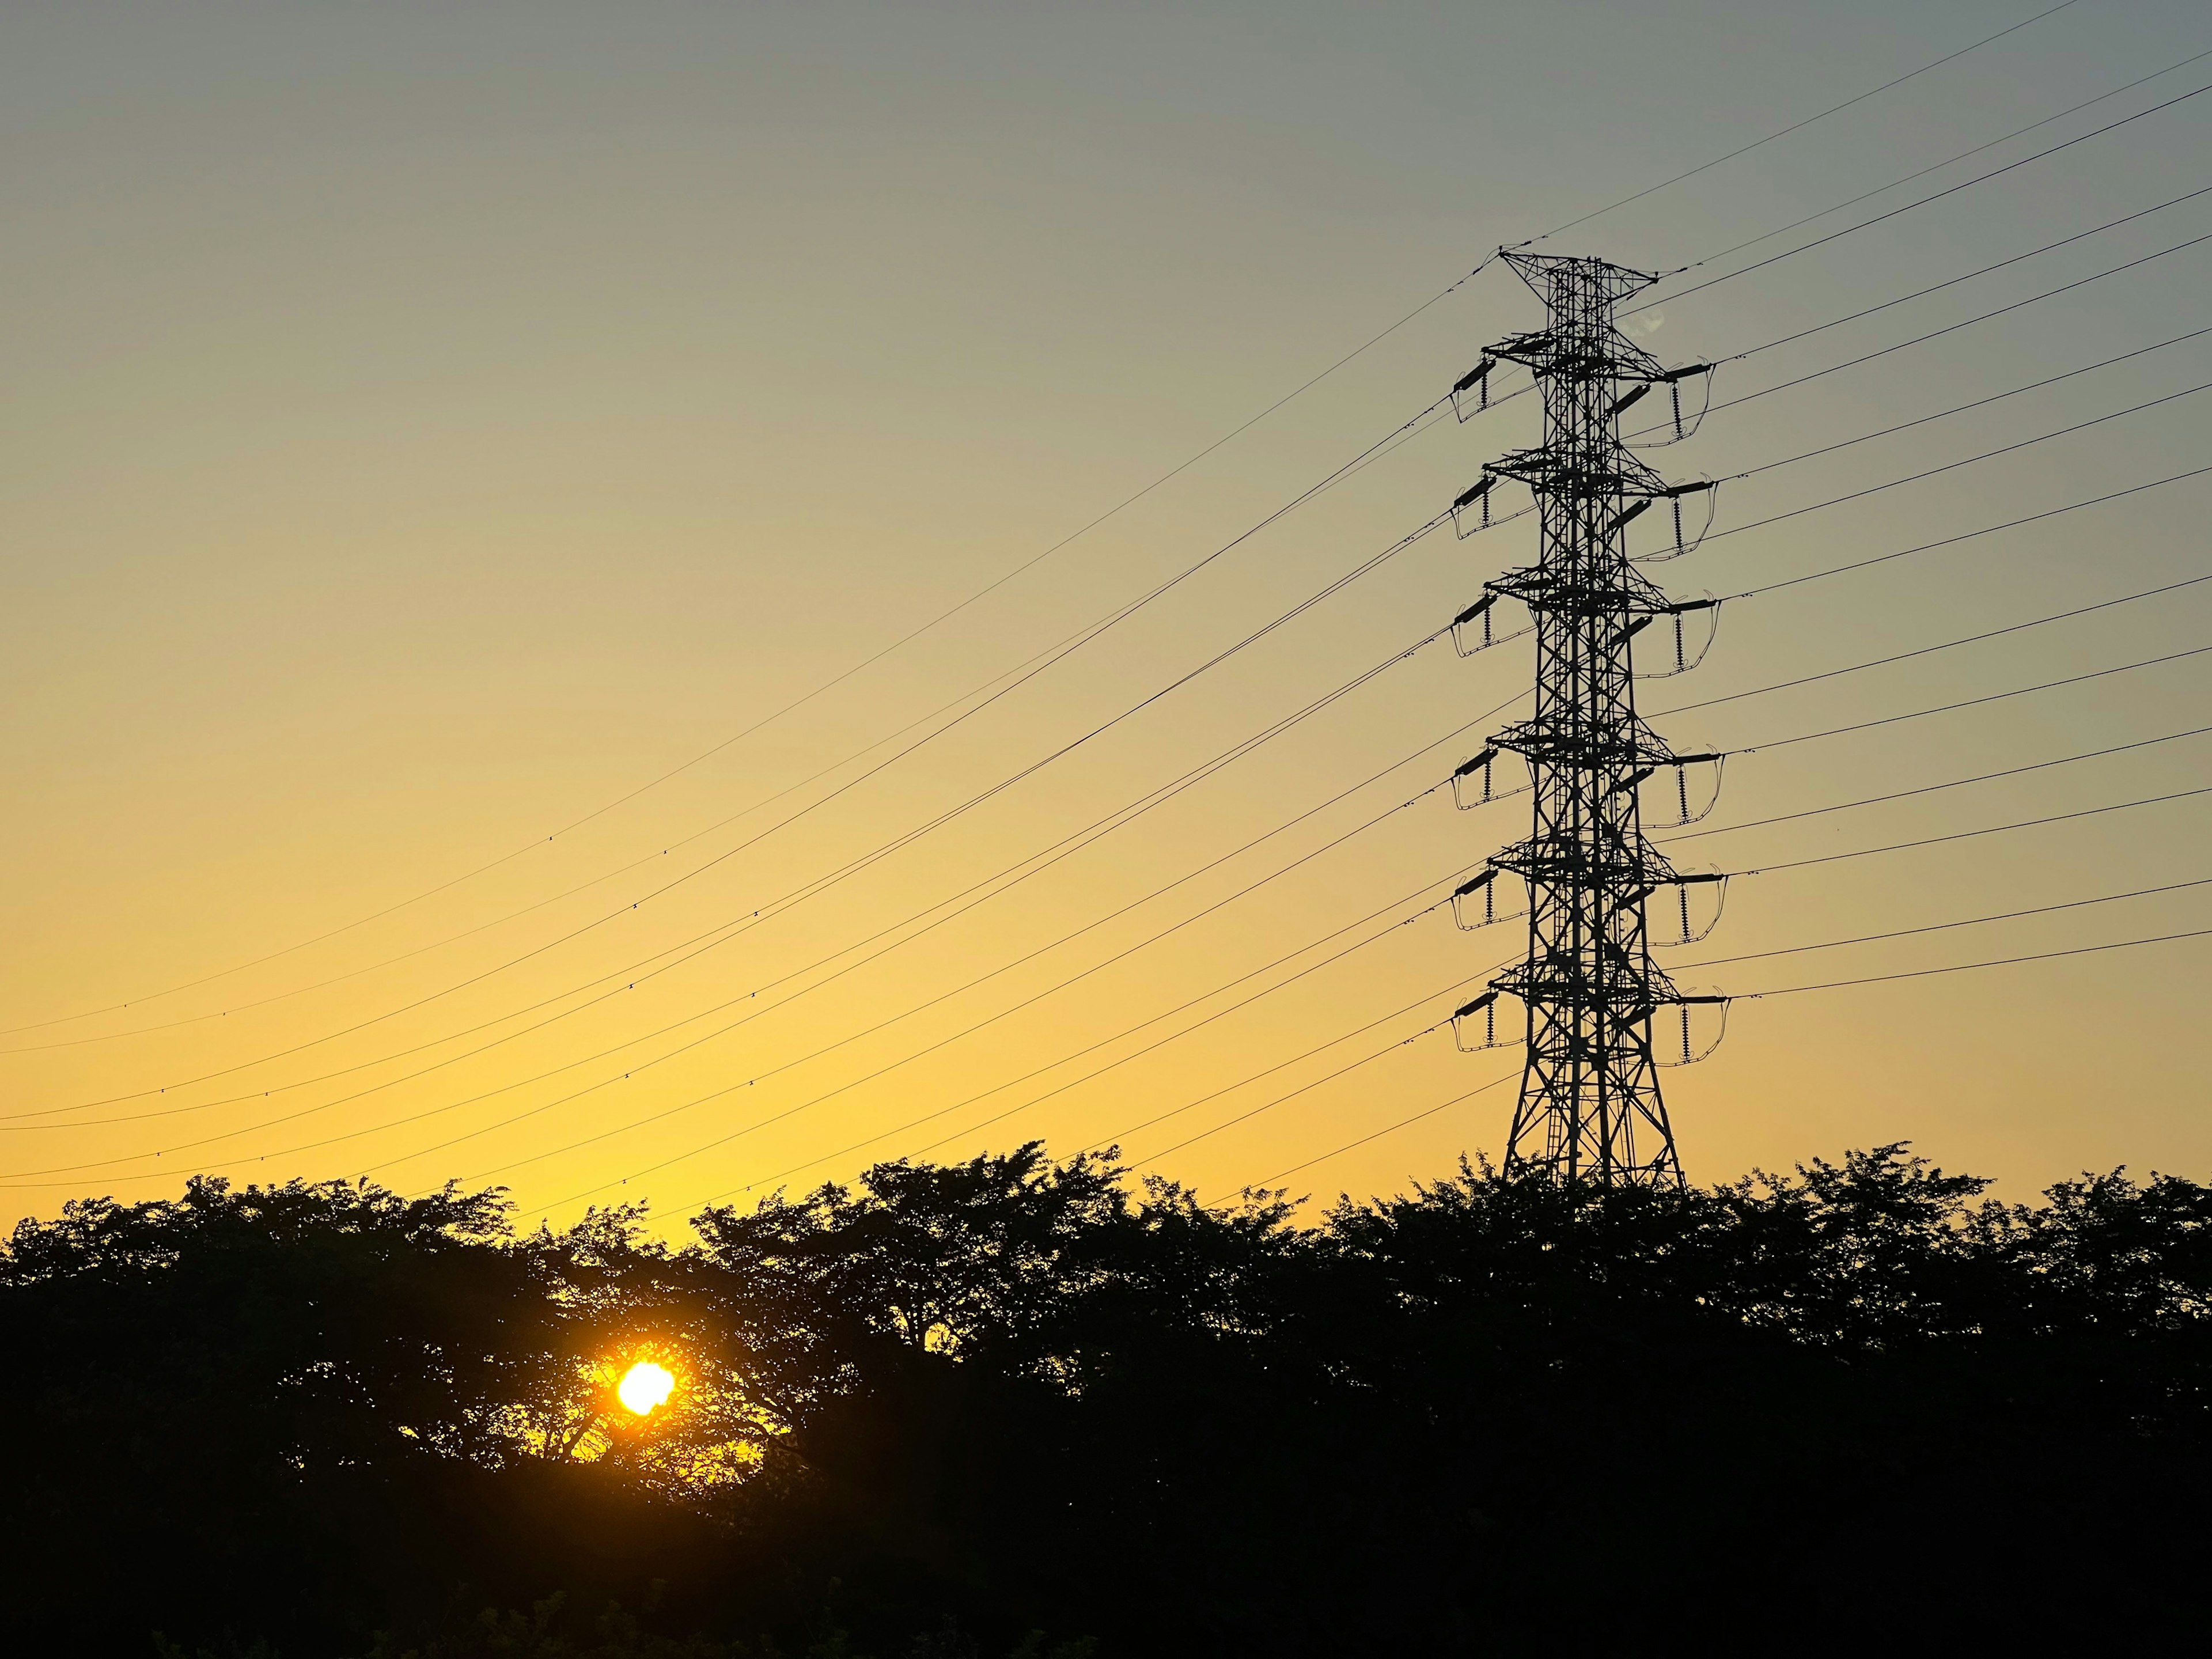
x=644, y=1386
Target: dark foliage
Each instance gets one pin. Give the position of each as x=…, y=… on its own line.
x=1013, y=1407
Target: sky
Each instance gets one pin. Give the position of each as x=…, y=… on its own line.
x=439, y=437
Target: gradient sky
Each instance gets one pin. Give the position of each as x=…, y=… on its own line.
x=428, y=424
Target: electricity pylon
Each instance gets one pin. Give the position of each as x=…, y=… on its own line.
x=1590, y=1107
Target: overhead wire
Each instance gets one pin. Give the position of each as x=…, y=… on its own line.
x=945, y=616
x=820, y=884
x=1953, y=190
x=1304, y=1088
x=1430, y=638
x=1932, y=788
x=1970, y=535
x=1012, y=678
x=1952, y=328
x=1944, y=927
x=1140, y=806
x=1978, y=403
x=1398, y=433
x=852, y=866
x=1795, y=126
x=1947, y=644
x=1976, y=703
x=1753, y=996
x=1931, y=198
x=1452, y=875
x=1937, y=166
x=1976, y=834
x=1952, y=466
x=1941, y=708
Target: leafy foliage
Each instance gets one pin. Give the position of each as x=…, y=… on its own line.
x=947, y=1410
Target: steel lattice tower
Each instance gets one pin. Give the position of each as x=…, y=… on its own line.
x=1591, y=1109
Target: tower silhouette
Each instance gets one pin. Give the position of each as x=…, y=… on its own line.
x=1590, y=1106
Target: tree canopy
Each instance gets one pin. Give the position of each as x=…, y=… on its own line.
x=1017, y=1406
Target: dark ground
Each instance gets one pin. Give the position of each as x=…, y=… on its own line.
x=1009, y=1408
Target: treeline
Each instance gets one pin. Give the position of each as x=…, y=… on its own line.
x=1015, y=1407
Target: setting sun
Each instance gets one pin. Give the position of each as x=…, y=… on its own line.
x=644, y=1386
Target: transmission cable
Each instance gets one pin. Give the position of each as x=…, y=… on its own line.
x=1976, y=703
x=1774, y=744
x=2017, y=132
x=1755, y=996
x=853, y=867
x=1942, y=926
x=1973, y=835
x=947, y=615
x=1404, y=1122
x=1453, y=875
x=1820, y=241
x=1978, y=403
x=1947, y=645
x=608, y=1081
x=1304, y=1088
x=1370, y=454
x=1357, y=830
x=1952, y=328
x=1433, y=524
x=1797, y=126
x=1780, y=743
x=1932, y=788
x=1952, y=466
x=1033, y=665
x=1970, y=535
x=1109, y=821
x=1968, y=967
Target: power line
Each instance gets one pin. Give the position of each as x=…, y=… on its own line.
x=969, y=1030
x=1945, y=927
x=1025, y=671
x=1971, y=639
x=1303, y=1089
x=1816, y=811
x=1935, y=788
x=947, y=615
x=1808, y=737
x=819, y=883
x=1396, y=1014
x=1010, y=574
x=1140, y=806
x=853, y=867
x=2075, y=109
x=1970, y=535
x=1974, y=834
x=1793, y=990
x=1063, y=849
x=1976, y=703
x=2177, y=395
x=1775, y=743
x=1403, y=1122
x=1795, y=126
x=717, y=1094
x=1917, y=293
x=1978, y=403
x=1947, y=645
x=1821, y=242
x=1968, y=967
x=1372, y=452
x=1952, y=466
x=1091, y=1076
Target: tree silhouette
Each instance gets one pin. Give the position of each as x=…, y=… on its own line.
x=945, y=1408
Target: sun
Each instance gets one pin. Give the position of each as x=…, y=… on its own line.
x=644, y=1386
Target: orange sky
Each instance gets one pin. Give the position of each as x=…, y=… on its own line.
x=429, y=426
